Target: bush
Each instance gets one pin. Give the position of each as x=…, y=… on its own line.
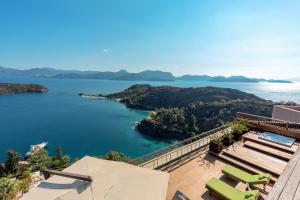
x=239, y=128
x=25, y=181
x=228, y=139
x=119, y=156
x=215, y=144
x=8, y=189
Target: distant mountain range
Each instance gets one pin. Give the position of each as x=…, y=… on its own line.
x=229, y=79
x=147, y=75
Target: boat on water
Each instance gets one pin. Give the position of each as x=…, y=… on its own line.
x=34, y=147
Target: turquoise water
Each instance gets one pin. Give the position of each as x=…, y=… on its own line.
x=92, y=126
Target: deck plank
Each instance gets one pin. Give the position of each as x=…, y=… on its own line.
x=286, y=175
x=292, y=184
x=257, y=159
x=243, y=166
x=254, y=137
x=268, y=150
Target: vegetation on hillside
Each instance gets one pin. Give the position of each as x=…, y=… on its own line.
x=13, y=88
x=180, y=113
x=16, y=174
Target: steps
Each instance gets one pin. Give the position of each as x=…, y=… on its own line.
x=257, y=159
x=268, y=150
x=255, y=138
x=241, y=165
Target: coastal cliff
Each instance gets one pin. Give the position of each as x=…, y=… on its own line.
x=13, y=88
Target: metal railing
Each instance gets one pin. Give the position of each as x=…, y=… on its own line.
x=258, y=120
x=173, y=152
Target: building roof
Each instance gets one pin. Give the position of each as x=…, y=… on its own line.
x=111, y=181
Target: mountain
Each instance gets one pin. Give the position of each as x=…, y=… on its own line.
x=240, y=79
x=183, y=112
x=194, y=78
x=124, y=75
x=76, y=74
x=34, y=72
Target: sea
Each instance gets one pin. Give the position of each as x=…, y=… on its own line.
x=86, y=126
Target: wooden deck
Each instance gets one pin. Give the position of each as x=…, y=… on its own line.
x=253, y=155
x=253, y=136
x=288, y=185
x=243, y=166
x=268, y=150
x=258, y=159
x=190, y=178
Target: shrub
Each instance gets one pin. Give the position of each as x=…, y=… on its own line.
x=228, y=139
x=215, y=144
x=239, y=128
x=8, y=189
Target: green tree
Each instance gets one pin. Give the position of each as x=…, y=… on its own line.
x=60, y=161
x=119, y=156
x=12, y=165
x=2, y=170
x=8, y=189
x=114, y=155
x=25, y=181
x=39, y=159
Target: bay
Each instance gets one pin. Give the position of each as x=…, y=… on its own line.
x=83, y=126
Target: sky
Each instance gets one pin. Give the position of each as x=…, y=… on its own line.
x=255, y=38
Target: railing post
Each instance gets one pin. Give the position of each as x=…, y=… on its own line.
x=287, y=126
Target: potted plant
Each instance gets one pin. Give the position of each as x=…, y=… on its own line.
x=238, y=130
x=216, y=145
x=228, y=139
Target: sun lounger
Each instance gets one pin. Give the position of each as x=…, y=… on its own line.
x=225, y=191
x=245, y=177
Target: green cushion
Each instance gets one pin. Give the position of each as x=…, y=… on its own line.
x=245, y=177
x=248, y=195
x=228, y=192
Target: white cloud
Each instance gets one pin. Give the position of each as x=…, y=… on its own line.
x=105, y=51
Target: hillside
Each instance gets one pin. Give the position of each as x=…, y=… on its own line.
x=183, y=112
x=123, y=75
x=11, y=88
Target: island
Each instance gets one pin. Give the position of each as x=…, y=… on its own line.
x=179, y=113
x=14, y=88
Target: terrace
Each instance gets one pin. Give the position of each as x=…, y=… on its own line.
x=192, y=165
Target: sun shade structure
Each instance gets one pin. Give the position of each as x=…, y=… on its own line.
x=111, y=181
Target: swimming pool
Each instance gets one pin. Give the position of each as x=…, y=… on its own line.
x=279, y=139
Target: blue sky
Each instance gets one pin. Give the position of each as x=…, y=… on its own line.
x=250, y=37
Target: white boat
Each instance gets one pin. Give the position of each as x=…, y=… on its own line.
x=34, y=147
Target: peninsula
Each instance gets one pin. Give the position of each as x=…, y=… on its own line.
x=13, y=88
x=180, y=113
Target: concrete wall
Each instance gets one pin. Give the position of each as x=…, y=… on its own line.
x=287, y=113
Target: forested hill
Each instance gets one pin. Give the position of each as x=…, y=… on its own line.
x=13, y=88
x=184, y=112
x=150, y=98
